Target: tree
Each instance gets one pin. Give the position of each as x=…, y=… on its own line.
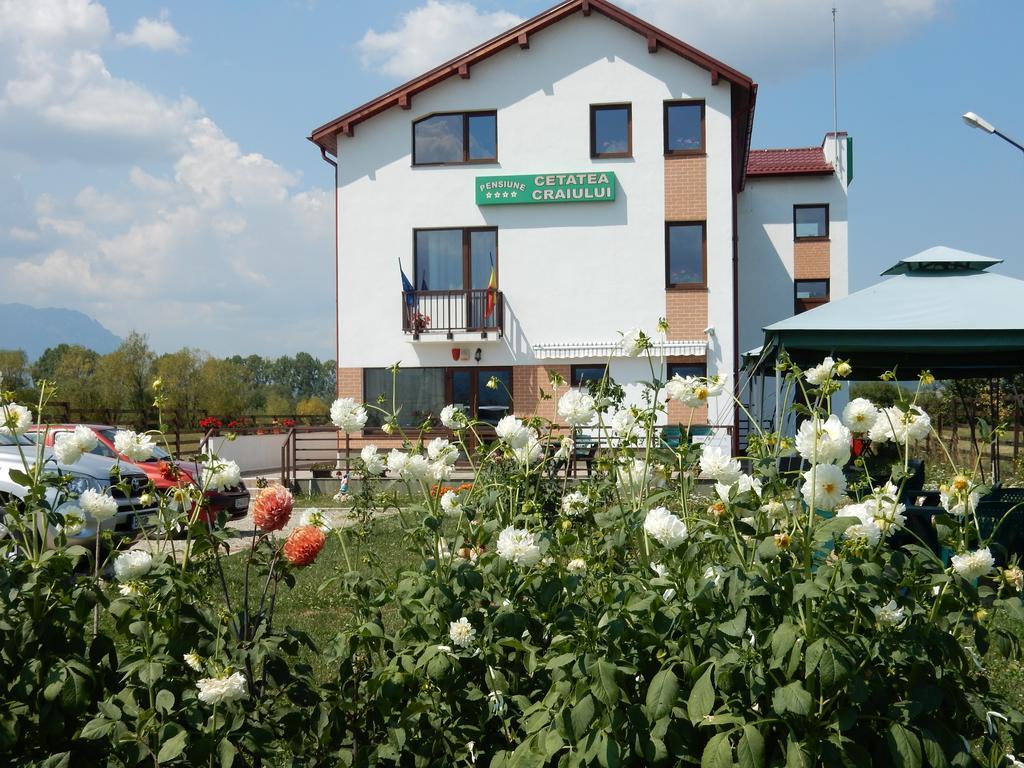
x=179, y=377
x=45, y=366
x=224, y=388
x=123, y=378
x=75, y=375
x=315, y=409
x=13, y=369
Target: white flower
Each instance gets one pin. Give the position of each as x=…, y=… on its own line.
x=445, y=649
x=661, y=572
x=218, y=690
x=634, y=475
x=221, y=474
x=417, y=468
x=899, y=426
x=719, y=464
x=130, y=589
x=959, y=504
x=634, y=342
x=860, y=415
x=577, y=408
x=69, y=446
x=316, y=518
x=1013, y=762
x=824, y=486
x=518, y=546
x=626, y=425
x=889, y=615
x=452, y=417
x=14, y=419
x=513, y=432
x=693, y=391
x=133, y=445
x=820, y=373
x=461, y=632
x=775, y=510
x=743, y=485
x=574, y=504
x=374, y=461
x=865, y=528
x=397, y=461
x=824, y=442
x=441, y=450
x=97, y=505
x=530, y=452
x=194, y=661
x=714, y=573
x=577, y=566
x=132, y=565
x=973, y=565
x=348, y=415
x=565, y=448
x=665, y=528
x=450, y=503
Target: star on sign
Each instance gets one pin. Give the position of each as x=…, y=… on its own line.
x=488, y=195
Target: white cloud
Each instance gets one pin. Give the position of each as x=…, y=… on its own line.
x=157, y=34
x=430, y=35
x=775, y=38
x=184, y=235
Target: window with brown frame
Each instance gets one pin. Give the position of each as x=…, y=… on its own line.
x=581, y=375
x=692, y=368
x=808, y=294
x=686, y=255
x=454, y=138
x=684, y=127
x=810, y=222
x=454, y=259
x=421, y=393
x=611, y=130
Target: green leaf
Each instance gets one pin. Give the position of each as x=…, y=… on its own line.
x=796, y=756
x=173, y=747
x=783, y=639
x=97, y=728
x=581, y=716
x=750, y=749
x=606, y=688
x=735, y=626
x=226, y=752
x=717, y=753
x=164, y=701
x=904, y=746
x=661, y=695
x=792, y=698
x=702, y=697
x=933, y=750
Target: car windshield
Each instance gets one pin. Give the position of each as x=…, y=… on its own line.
x=11, y=440
x=159, y=454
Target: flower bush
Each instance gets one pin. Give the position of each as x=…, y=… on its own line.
x=679, y=606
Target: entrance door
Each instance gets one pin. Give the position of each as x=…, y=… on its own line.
x=467, y=388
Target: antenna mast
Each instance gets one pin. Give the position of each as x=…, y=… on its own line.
x=835, y=96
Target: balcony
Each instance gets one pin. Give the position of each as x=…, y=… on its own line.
x=436, y=312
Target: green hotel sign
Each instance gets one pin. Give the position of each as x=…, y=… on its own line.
x=545, y=188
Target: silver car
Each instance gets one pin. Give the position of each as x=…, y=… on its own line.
x=90, y=471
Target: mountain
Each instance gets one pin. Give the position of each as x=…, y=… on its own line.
x=34, y=329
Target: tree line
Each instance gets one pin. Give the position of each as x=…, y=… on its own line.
x=118, y=386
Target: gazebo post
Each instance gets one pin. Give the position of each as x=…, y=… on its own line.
x=993, y=408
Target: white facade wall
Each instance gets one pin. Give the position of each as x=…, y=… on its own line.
x=569, y=272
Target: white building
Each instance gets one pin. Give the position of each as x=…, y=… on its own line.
x=600, y=170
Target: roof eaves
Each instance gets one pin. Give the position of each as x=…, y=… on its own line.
x=326, y=135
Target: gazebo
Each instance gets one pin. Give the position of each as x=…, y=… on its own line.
x=940, y=310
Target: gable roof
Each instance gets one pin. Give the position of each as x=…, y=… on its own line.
x=798, y=161
x=325, y=136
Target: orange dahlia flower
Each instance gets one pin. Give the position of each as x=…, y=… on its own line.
x=272, y=508
x=304, y=544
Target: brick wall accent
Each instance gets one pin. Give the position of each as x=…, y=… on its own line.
x=527, y=380
x=686, y=188
x=687, y=314
x=350, y=383
x=811, y=260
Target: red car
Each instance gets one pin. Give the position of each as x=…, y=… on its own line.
x=161, y=469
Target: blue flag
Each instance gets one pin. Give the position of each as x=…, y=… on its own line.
x=408, y=288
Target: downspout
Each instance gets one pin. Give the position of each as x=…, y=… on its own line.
x=337, y=298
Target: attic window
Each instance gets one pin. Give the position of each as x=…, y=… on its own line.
x=810, y=222
x=455, y=137
x=684, y=127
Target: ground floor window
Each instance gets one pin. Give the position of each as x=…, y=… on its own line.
x=809, y=294
x=419, y=394
x=581, y=375
x=687, y=368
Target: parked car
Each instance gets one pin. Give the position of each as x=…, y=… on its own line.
x=89, y=471
x=163, y=471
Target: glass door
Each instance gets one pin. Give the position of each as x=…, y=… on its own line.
x=492, y=405
x=482, y=263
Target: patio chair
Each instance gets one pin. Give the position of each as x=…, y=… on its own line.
x=585, y=450
x=1001, y=518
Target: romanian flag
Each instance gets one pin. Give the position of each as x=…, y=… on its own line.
x=407, y=287
x=492, y=294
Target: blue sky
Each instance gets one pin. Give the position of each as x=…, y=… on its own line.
x=155, y=174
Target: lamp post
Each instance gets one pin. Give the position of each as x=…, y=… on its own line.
x=976, y=121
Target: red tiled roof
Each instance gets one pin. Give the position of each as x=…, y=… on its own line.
x=787, y=162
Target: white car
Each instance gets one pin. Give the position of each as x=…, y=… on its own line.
x=90, y=471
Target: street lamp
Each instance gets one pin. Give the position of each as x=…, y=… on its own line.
x=976, y=121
